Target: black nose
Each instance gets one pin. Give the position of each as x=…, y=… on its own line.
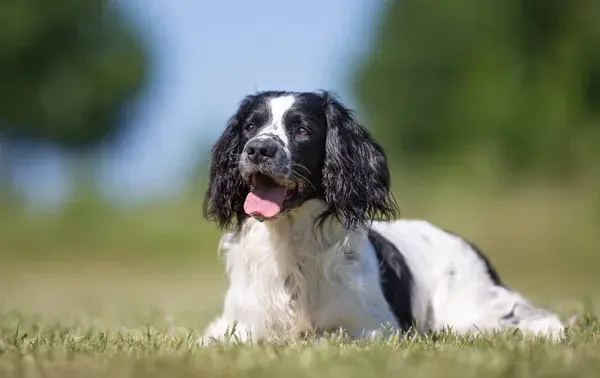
x=261, y=150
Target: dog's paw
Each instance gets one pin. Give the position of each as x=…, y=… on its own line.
x=222, y=331
x=548, y=326
x=206, y=341
x=574, y=320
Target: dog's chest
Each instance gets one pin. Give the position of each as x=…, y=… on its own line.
x=289, y=293
x=286, y=286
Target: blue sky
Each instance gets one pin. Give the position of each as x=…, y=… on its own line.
x=206, y=56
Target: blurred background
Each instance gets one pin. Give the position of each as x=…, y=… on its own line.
x=489, y=112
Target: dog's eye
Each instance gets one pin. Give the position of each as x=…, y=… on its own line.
x=303, y=131
x=249, y=126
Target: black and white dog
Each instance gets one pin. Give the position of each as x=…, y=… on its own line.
x=312, y=244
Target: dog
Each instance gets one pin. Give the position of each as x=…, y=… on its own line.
x=313, y=245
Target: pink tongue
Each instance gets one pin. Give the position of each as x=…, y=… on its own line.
x=265, y=201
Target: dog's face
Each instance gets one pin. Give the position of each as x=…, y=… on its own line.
x=283, y=140
x=281, y=149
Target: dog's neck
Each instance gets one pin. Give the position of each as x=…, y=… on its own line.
x=300, y=225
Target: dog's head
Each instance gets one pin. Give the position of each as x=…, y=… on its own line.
x=281, y=149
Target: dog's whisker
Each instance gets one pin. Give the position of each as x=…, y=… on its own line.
x=298, y=177
x=301, y=178
x=299, y=165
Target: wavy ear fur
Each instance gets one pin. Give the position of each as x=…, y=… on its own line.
x=224, y=198
x=356, y=179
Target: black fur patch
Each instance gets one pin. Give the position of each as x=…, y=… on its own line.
x=396, y=279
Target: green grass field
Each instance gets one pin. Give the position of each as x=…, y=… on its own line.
x=35, y=348
x=102, y=291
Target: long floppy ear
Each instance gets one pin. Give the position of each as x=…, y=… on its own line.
x=224, y=198
x=356, y=178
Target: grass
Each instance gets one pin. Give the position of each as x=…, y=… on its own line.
x=96, y=291
x=105, y=321
x=37, y=348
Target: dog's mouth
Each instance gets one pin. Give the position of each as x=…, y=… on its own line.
x=266, y=197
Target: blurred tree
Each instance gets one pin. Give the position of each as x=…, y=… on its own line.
x=66, y=66
x=518, y=77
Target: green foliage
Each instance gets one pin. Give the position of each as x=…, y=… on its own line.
x=66, y=66
x=518, y=77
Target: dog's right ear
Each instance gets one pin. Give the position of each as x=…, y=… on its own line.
x=224, y=198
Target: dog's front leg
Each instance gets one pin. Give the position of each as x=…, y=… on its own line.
x=225, y=330
x=371, y=322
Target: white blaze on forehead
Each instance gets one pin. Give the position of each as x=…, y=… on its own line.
x=280, y=105
x=277, y=107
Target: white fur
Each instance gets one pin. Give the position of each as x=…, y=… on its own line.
x=278, y=106
x=286, y=278
x=453, y=282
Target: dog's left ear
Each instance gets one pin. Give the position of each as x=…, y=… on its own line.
x=356, y=178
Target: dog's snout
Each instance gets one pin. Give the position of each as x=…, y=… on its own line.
x=261, y=150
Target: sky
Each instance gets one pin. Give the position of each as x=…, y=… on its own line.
x=206, y=55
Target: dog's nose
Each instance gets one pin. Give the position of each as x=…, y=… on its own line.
x=261, y=150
